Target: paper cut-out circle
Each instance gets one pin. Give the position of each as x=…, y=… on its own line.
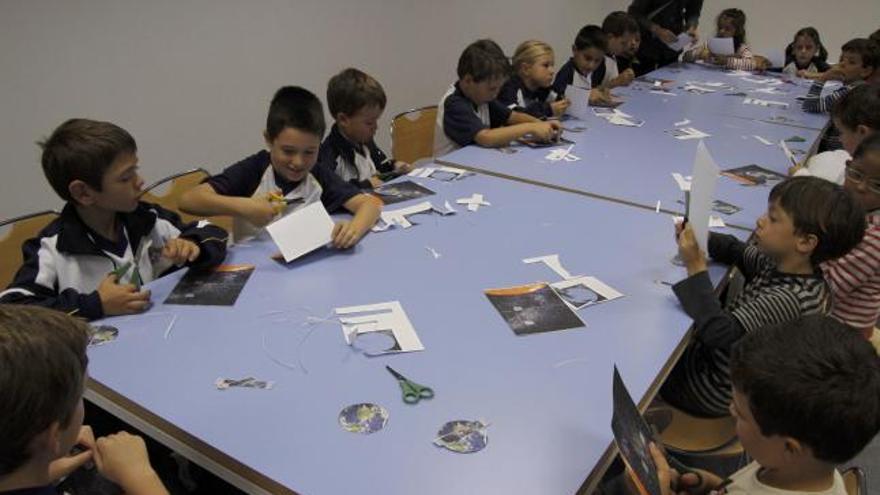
x=102, y=334
x=363, y=418
x=463, y=436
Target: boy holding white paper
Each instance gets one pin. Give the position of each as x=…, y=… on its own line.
x=783, y=282
x=263, y=186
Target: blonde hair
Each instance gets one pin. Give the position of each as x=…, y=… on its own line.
x=528, y=52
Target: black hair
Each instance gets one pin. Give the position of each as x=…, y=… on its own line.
x=813, y=34
x=297, y=108
x=859, y=106
x=824, y=209
x=813, y=379
x=867, y=49
x=83, y=149
x=871, y=144
x=591, y=36
x=483, y=60
x=738, y=18
x=619, y=23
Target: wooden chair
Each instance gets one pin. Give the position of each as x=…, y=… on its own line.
x=692, y=435
x=179, y=184
x=412, y=134
x=20, y=229
x=855, y=481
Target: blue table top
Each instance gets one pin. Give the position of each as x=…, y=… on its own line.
x=547, y=396
x=634, y=164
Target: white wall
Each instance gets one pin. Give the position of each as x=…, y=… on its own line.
x=192, y=79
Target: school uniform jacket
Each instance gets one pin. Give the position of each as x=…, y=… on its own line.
x=568, y=74
x=66, y=262
x=353, y=163
x=516, y=96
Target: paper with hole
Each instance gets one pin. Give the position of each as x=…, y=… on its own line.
x=388, y=318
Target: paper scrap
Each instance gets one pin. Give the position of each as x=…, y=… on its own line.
x=584, y=291
x=788, y=153
x=663, y=92
x=552, y=262
x=433, y=252
x=700, y=90
x=705, y=178
x=682, y=122
x=388, y=318
x=580, y=102
x=302, y=231
x=686, y=133
x=447, y=209
x=684, y=183
x=562, y=154
x=722, y=46
x=762, y=140
x=657, y=208
x=764, y=103
x=397, y=217
x=474, y=202
x=248, y=382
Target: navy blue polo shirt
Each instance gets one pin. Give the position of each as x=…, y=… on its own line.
x=242, y=179
x=37, y=490
x=461, y=122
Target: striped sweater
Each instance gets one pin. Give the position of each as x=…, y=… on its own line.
x=743, y=60
x=855, y=281
x=769, y=297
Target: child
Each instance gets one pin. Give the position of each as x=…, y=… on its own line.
x=855, y=115
x=859, y=60
x=805, y=54
x=615, y=70
x=530, y=88
x=93, y=259
x=806, y=398
x=356, y=102
x=281, y=180
x=855, y=278
x=43, y=377
x=783, y=282
x=731, y=23
x=587, y=53
x=469, y=113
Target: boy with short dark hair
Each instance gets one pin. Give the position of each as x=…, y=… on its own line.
x=282, y=179
x=859, y=62
x=470, y=114
x=783, y=282
x=356, y=102
x=41, y=410
x=806, y=398
x=616, y=70
x=587, y=53
x=93, y=259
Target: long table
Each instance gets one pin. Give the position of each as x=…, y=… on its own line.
x=546, y=396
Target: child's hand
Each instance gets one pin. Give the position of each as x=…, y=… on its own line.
x=403, y=167
x=260, y=211
x=345, y=235
x=689, y=250
x=627, y=76
x=375, y=182
x=547, y=131
x=832, y=74
x=813, y=76
x=63, y=466
x=559, y=107
x=181, y=251
x=117, y=299
x=667, y=476
x=692, y=32
x=122, y=459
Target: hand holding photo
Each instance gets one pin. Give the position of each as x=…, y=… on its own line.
x=633, y=437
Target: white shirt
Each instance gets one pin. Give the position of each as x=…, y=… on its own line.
x=830, y=165
x=611, y=70
x=746, y=482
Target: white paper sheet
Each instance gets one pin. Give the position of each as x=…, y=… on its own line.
x=714, y=222
x=705, y=178
x=302, y=231
x=388, y=317
x=762, y=140
x=474, y=202
x=580, y=102
x=683, y=41
x=682, y=122
x=552, y=262
x=722, y=46
x=605, y=292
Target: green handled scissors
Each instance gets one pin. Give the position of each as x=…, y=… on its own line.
x=412, y=391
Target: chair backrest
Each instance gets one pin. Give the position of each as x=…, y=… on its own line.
x=412, y=134
x=20, y=229
x=855, y=481
x=180, y=183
